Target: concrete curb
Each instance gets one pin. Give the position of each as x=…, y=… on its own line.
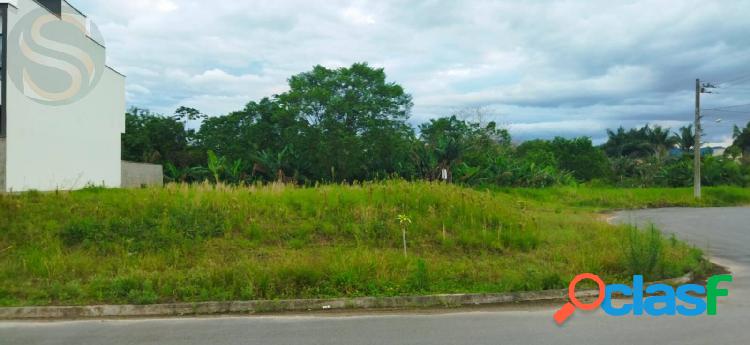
x=254, y=307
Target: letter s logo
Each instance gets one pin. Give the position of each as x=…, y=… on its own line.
x=53, y=60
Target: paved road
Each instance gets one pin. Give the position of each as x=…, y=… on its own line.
x=726, y=232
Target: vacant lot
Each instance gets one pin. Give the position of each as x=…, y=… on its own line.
x=200, y=243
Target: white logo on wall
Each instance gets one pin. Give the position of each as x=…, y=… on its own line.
x=54, y=60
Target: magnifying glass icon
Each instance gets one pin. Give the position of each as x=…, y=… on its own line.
x=568, y=309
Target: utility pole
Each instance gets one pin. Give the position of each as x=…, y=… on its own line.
x=697, y=147
x=700, y=88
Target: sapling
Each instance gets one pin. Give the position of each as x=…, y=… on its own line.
x=405, y=221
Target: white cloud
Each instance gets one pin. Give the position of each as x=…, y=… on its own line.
x=578, y=66
x=137, y=89
x=357, y=16
x=165, y=6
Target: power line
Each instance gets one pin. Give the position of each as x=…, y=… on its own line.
x=719, y=122
x=729, y=107
x=734, y=87
x=740, y=78
x=726, y=111
x=732, y=91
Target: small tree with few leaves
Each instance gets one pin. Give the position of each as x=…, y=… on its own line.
x=405, y=221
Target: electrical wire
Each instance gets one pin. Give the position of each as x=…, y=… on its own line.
x=726, y=111
x=735, y=80
x=732, y=88
x=730, y=107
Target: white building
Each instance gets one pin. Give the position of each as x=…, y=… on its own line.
x=62, y=107
x=719, y=151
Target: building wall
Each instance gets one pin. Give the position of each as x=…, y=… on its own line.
x=137, y=175
x=64, y=146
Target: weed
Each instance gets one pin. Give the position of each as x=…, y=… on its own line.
x=419, y=280
x=195, y=243
x=643, y=251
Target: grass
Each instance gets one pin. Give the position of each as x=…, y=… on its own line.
x=605, y=199
x=201, y=243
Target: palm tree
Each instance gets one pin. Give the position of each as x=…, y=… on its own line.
x=616, y=141
x=685, y=138
x=661, y=140
x=631, y=143
x=639, y=143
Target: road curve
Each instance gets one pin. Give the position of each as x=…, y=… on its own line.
x=724, y=232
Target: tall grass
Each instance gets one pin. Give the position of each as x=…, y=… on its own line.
x=200, y=243
x=608, y=198
x=644, y=251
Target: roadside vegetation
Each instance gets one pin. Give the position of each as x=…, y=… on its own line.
x=206, y=242
x=264, y=203
x=601, y=199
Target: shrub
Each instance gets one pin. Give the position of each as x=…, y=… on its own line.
x=643, y=251
x=676, y=174
x=419, y=280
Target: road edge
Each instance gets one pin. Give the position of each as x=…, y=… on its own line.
x=301, y=305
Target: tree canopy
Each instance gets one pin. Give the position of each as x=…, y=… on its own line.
x=351, y=124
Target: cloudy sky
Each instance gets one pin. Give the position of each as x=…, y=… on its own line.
x=542, y=68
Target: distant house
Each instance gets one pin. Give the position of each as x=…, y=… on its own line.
x=675, y=152
x=706, y=151
x=719, y=151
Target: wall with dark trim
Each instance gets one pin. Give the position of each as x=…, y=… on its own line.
x=55, y=6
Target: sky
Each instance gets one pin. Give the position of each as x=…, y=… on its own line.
x=540, y=68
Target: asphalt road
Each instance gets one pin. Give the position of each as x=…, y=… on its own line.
x=724, y=232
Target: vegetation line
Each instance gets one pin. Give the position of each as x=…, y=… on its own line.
x=351, y=124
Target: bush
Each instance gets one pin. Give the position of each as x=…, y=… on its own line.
x=719, y=171
x=678, y=173
x=643, y=251
x=419, y=280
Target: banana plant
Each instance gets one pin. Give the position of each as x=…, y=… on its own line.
x=173, y=173
x=272, y=165
x=216, y=165
x=234, y=170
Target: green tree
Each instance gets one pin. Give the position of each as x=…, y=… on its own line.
x=457, y=145
x=352, y=122
x=260, y=126
x=538, y=152
x=579, y=157
x=742, y=141
x=186, y=114
x=153, y=138
x=332, y=125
